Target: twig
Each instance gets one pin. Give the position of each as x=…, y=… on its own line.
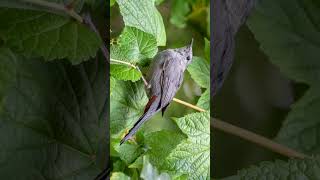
x=87, y=20
x=56, y=6
x=255, y=138
x=133, y=66
x=188, y=105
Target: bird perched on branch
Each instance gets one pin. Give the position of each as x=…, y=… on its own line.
x=165, y=78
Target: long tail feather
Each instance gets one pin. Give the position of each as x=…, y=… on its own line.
x=150, y=110
x=135, y=127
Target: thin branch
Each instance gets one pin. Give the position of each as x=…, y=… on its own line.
x=87, y=20
x=123, y=62
x=188, y=105
x=255, y=138
x=133, y=66
x=57, y=7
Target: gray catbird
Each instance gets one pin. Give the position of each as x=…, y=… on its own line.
x=165, y=78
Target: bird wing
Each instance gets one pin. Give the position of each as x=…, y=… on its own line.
x=171, y=79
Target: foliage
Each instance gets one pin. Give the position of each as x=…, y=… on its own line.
x=52, y=114
x=163, y=154
x=293, y=169
x=288, y=33
x=41, y=34
x=144, y=16
x=294, y=49
x=191, y=11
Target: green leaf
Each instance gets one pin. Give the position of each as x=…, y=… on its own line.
x=41, y=34
x=204, y=100
x=134, y=46
x=119, y=176
x=294, y=169
x=126, y=105
x=293, y=45
x=192, y=156
x=7, y=59
x=55, y=115
x=128, y=152
x=199, y=70
x=118, y=165
x=137, y=164
x=293, y=42
x=299, y=131
x=27, y=5
x=143, y=15
x=160, y=144
x=150, y=172
x=124, y=72
x=179, y=12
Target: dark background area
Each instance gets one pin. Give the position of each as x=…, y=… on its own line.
x=256, y=97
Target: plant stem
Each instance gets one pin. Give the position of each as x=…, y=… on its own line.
x=87, y=20
x=56, y=6
x=255, y=138
x=133, y=66
x=188, y=105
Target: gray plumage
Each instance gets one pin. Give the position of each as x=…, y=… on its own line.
x=227, y=17
x=165, y=78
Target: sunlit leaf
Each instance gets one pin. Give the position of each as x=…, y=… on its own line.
x=143, y=15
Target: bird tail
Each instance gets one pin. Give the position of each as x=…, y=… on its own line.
x=135, y=127
x=151, y=109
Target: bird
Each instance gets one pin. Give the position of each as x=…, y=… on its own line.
x=164, y=79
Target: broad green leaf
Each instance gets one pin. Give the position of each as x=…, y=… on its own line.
x=134, y=45
x=20, y=4
x=293, y=42
x=119, y=176
x=300, y=129
x=41, y=34
x=138, y=163
x=180, y=10
x=204, y=100
x=160, y=144
x=294, y=169
x=143, y=15
x=126, y=105
x=7, y=60
x=53, y=120
x=293, y=45
x=192, y=156
x=199, y=70
x=128, y=152
x=150, y=172
x=124, y=72
x=118, y=165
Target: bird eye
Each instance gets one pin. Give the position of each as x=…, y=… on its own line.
x=188, y=58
